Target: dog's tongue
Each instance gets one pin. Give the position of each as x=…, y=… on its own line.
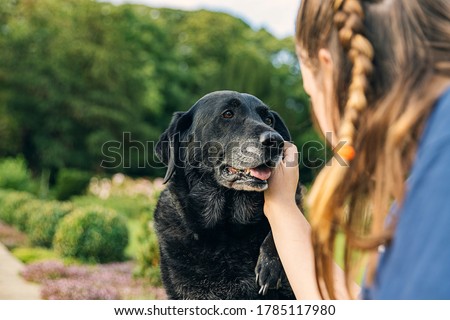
x=261, y=173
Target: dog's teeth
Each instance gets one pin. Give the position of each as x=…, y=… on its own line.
x=247, y=171
x=232, y=170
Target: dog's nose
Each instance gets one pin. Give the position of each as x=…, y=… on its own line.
x=271, y=139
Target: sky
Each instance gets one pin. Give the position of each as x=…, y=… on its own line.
x=277, y=16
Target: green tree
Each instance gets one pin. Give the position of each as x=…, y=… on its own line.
x=79, y=73
x=75, y=74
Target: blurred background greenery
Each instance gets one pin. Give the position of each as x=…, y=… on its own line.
x=75, y=74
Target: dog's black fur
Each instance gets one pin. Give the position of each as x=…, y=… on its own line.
x=215, y=241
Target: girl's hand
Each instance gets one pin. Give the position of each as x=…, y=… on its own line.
x=283, y=181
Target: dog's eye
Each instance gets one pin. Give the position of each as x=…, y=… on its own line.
x=228, y=114
x=268, y=121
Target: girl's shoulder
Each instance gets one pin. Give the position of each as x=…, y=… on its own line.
x=417, y=261
x=438, y=124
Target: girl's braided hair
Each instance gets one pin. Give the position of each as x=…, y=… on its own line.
x=348, y=19
x=391, y=61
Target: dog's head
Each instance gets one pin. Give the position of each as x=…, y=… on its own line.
x=233, y=136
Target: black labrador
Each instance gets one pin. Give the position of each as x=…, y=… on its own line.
x=214, y=238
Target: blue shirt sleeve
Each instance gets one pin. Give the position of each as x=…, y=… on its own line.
x=416, y=265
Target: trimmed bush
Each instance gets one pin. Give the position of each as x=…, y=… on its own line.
x=71, y=182
x=11, y=202
x=92, y=234
x=41, y=227
x=25, y=211
x=14, y=174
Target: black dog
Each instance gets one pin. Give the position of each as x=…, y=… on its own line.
x=212, y=231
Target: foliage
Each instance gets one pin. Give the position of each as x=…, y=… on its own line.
x=77, y=67
x=130, y=207
x=14, y=174
x=71, y=182
x=10, y=202
x=41, y=227
x=25, y=211
x=130, y=197
x=92, y=234
x=37, y=218
x=147, y=250
x=78, y=75
x=134, y=227
x=147, y=255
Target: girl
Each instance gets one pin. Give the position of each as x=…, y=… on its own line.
x=378, y=74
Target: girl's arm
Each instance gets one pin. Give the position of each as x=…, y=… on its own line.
x=292, y=232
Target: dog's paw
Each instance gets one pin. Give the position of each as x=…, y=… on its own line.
x=269, y=272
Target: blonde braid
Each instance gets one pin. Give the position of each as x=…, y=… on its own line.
x=360, y=53
x=326, y=214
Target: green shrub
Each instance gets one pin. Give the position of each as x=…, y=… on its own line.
x=71, y=182
x=41, y=227
x=25, y=211
x=147, y=254
x=92, y=234
x=14, y=174
x=11, y=202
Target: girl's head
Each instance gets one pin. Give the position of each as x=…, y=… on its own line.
x=373, y=70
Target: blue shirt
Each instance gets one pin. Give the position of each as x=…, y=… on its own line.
x=416, y=265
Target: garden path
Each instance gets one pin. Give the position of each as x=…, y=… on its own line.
x=12, y=285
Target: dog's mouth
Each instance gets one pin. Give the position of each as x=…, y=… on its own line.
x=250, y=179
x=261, y=172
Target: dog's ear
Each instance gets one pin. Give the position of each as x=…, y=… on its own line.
x=167, y=148
x=280, y=126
